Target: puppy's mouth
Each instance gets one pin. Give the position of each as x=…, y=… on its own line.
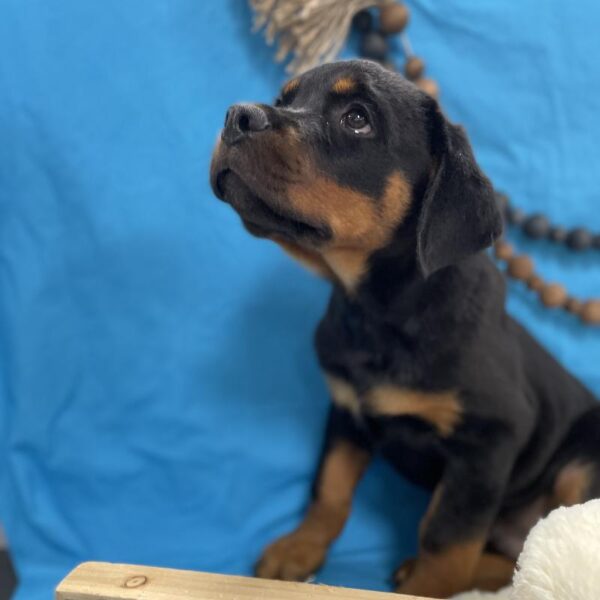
x=219, y=183
x=261, y=216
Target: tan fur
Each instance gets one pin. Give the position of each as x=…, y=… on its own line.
x=343, y=394
x=453, y=569
x=297, y=555
x=345, y=85
x=360, y=224
x=342, y=469
x=340, y=473
x=307, y=258
x=572, y=484
x=443, y=410
x=434, y=503
x=493, y=572
x=290, y=86
x=347, y=264
x=441, y=574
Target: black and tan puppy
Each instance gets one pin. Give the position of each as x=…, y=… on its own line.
x=357, y=174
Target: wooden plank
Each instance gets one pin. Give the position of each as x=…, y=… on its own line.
x=106, y=581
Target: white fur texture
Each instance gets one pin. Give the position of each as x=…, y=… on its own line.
x=560, y=559
x=503, y=594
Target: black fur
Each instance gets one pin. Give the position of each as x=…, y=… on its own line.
x=429, y=313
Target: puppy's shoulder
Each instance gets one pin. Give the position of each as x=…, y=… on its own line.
x=471, y=292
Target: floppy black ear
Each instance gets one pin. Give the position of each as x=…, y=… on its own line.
x=459, y=215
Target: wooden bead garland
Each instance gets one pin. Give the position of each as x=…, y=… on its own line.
x=537, y=226
x=552, y=295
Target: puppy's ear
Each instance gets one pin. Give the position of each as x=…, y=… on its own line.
x=459, y=215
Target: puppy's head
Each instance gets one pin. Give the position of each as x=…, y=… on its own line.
x=349, y=159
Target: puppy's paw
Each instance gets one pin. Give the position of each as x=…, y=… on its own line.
x=412, y=583
x=403, y=572
x=292, y=558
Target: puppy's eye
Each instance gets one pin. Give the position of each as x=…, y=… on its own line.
x=278, y=101
x=357, y=120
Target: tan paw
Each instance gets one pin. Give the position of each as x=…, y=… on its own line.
x=292, y=558
x=425, y=587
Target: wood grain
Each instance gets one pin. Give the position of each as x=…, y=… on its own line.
x=106, y=581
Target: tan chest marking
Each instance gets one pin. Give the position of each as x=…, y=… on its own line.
x=343, y=394
x=442, y=410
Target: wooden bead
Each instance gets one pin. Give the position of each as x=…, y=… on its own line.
x=553, y=295
x=535, y=283
x=393, y=18
x=558, y=234
x=374, y=45
x=515, y=216
x=590, y=312
x=363, y=21
x=520, y=267
x=414, y=68
x=429, y=86
x=503, y=250
x=502, y=201
x=573, y=305
x=579, y=239
x=536, y=226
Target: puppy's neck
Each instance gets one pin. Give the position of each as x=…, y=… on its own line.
x=388, y=275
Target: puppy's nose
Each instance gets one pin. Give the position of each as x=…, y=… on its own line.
x=242, y=120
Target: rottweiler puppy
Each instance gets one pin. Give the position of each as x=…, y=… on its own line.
x=358, y=175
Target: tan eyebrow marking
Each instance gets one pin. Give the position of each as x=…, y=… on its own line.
x=345, y=85
x=290, y=86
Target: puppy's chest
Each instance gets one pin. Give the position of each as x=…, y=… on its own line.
x=384, y=403
x=373, y=373
x=363, y=347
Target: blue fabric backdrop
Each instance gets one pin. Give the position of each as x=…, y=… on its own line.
x=159, y=399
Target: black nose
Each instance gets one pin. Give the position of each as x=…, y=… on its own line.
x=242, y=120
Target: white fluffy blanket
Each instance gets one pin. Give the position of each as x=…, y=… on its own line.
x=560, y=559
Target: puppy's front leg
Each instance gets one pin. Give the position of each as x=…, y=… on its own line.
x=344, y=459
x=455, y=528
